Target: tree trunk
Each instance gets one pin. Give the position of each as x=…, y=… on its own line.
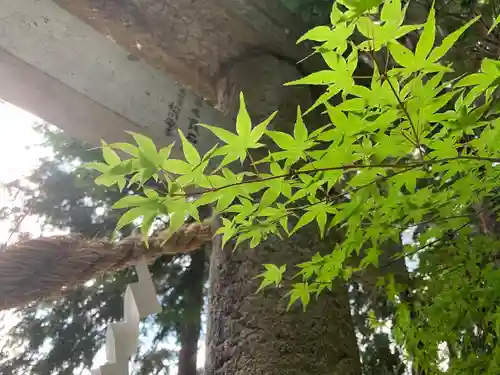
x=189, y=330
x=251, y=333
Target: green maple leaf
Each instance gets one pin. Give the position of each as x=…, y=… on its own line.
x=302, y=292
x=246, y=138
x=272, y=275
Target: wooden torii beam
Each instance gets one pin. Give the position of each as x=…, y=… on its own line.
x=193, y=40
x=61, y=69
x=147, y=66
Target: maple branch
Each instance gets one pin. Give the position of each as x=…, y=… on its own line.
x=345, y=167
x=410, y=120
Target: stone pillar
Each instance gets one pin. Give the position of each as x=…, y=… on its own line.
x=252, y=333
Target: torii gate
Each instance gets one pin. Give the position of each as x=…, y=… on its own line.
x=99, y=67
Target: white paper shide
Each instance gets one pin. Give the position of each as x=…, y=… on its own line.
x=122, y=337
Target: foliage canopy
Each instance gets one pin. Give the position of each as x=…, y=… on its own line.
x=411, y=153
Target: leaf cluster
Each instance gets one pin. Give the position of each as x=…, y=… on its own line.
x=414, y=151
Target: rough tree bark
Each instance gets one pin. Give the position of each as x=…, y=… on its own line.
x=190, y=326
x=253, y=333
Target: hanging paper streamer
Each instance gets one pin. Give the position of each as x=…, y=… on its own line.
x=122, y=337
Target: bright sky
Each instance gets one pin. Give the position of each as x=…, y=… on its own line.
x=18, y=156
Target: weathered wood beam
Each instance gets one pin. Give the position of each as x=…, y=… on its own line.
x=99, y=67
x=192, y=39
x=61, y=69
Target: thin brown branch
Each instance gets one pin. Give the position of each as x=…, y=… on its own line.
x=409, y=139
x=443, y=6
x=434, y=242
x=15, y=229
x=410, y=120
x=424, y=222
x=401, y=104
x=252, y=162
x=345, y=167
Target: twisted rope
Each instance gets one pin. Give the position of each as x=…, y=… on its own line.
x=45, y=267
